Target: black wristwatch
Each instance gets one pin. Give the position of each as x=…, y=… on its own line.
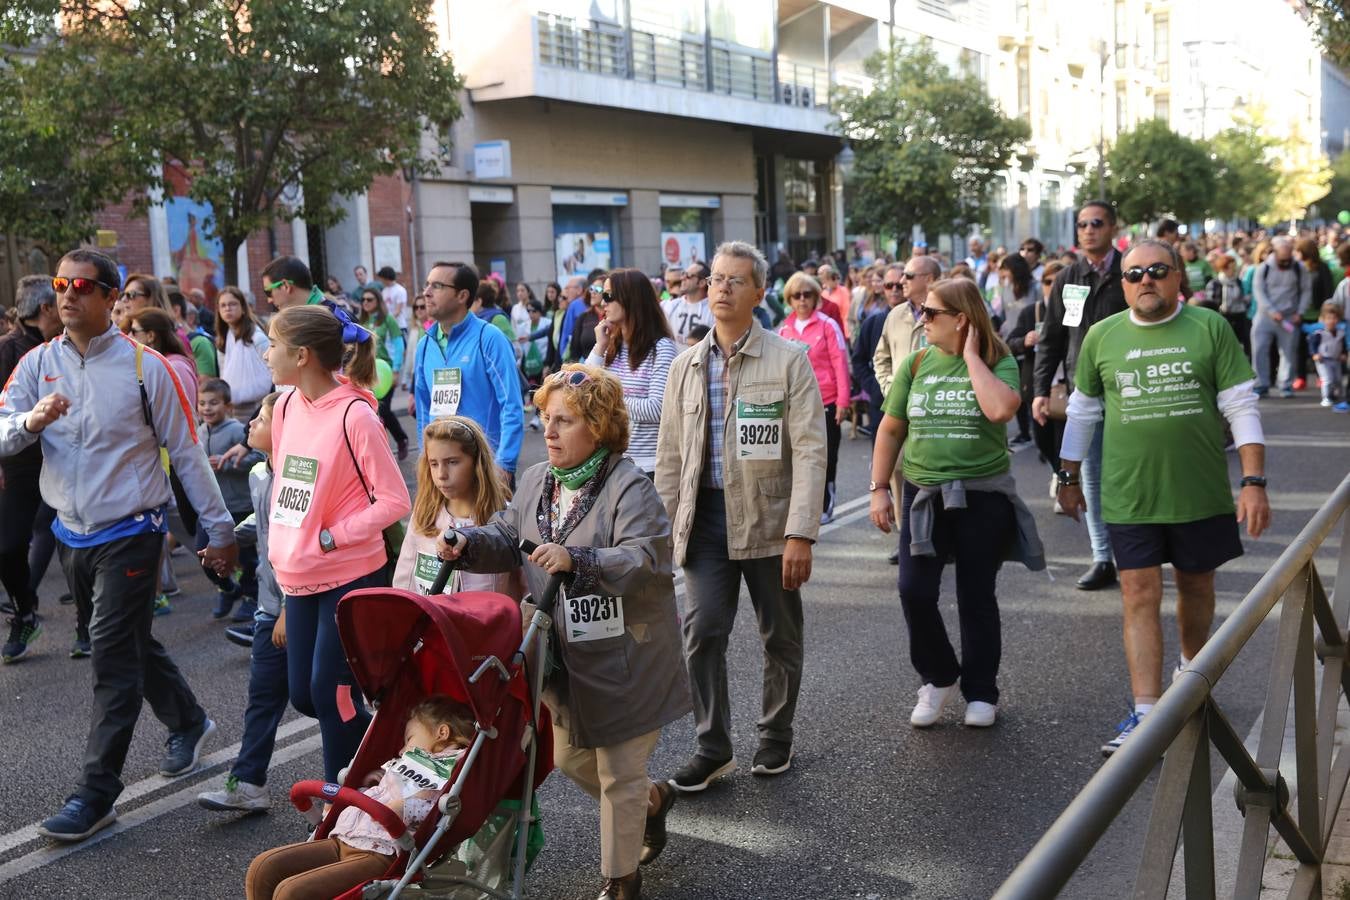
x=1067, y=478
x=326, y=542
x=1257, y=480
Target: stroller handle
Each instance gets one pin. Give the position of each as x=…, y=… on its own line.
x=550, y=598
x=451, y=537
x=304, y=792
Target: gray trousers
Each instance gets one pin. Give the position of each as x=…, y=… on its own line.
x=1266, y=331
x=119, y=579
x=712, y=593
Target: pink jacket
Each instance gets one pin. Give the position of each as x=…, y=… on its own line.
x=312, y=433
x=825, y=349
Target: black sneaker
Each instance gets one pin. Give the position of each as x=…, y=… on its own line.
x=185, y=748
x=77, y=820
x=22, y=632
x=240, y=634
x=700, y=772
x=772, y=759
x=247, y=607
x=81, y=649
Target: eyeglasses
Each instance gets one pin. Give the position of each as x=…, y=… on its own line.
x=1091, y=223
x=1157, y=271
x=574, y=378
x=136, y=295
x=930, y=313
x=802, y=295
x=893, y=285
x=734, y=283
x=418, y=307
x=82, y=286
x=135, y=330
x=269, y=288
x=437, y=286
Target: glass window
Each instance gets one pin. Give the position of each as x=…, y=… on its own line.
x=1121, y=121
x=1122, y=29
x=1162, y=107
x=1024, y=84
x=747, y=24
x=803, y=187
x=1162, y=42
x=668, y=18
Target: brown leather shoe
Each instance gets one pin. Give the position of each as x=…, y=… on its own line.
x=654, y=836
x=628, y=887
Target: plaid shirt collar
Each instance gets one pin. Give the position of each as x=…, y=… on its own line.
x=1102, y=268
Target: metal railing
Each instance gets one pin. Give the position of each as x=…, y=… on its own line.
x=1187, y=721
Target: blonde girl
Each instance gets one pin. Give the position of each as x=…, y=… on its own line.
x=458, y=486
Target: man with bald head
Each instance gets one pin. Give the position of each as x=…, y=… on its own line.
x=1162, y=377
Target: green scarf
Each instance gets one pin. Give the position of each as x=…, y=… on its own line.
x=577, y=476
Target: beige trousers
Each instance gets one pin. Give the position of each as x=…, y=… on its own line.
x=617, y=777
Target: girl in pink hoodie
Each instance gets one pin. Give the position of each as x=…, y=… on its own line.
x=336, y=488
x=823, y=341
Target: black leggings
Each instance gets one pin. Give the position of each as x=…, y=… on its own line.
x=391, y=422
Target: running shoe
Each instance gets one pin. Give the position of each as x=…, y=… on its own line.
x=700, y=772
x=237, y=796
x=980, y=714
x=932, y=699
x=162, y=607
x=81, y=649
x=77, y=820
x=185, y=749
x=22, y=633
x=1125, y=728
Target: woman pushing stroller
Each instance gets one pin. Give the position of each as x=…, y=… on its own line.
x=618, y=674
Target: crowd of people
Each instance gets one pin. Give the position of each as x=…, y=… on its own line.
x=691, y=419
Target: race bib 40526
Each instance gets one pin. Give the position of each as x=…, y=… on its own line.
x=295, y=491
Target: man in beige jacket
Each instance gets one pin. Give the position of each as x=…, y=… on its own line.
x=901, y=335
x=741, y=467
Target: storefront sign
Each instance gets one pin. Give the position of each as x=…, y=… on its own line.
x=589, y=198
x=480, y=194
x=696, y=201
x=492, y=159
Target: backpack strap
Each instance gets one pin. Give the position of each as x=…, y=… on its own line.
x=916, y=362
x=352, y=453
x=145, y=395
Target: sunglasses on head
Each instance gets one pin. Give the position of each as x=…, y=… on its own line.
x=1157, y=271
x=1091, y=223
x=932, y=312
x=82, y=286
x=574, y=378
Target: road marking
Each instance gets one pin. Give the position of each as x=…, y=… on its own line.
x=845, y=514
x=45, y=856
x=154, y=783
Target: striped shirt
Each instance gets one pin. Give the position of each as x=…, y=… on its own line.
x=719, y=385
x=643, y=390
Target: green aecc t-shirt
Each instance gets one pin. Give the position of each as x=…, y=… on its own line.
x=949, y=436
x=1162, y=449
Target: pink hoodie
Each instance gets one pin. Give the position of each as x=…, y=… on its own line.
x=309, y=433
x=826, y=350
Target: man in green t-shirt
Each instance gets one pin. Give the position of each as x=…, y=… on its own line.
x=1164, y=376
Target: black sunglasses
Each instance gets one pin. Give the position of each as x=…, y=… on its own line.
x=1157, y=271
x=892, y=285
x=932, y=312
x=910, y=276
x=607, y=297
x=1091, y=223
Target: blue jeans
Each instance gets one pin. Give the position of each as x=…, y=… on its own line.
x=1092, y=493
x=321, y=682
x=268, y=694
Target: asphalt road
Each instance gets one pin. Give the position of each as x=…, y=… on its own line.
x=870, y=809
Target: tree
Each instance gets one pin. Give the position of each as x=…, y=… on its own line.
x=272, y=109
x=928, y=143
x=1304, y=177
x=1245, y=177
x=1154, y=172
x=1331, y=20
x=1338, y=198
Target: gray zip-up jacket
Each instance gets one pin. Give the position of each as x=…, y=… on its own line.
x=253, y=530
x=101, y=460
x=233, y=480
x=1285, y=291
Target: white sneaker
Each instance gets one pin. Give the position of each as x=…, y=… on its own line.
x=1326, y=401
x=238, y=795
x=932, y=699
x=1054, y=487
x=980, y=714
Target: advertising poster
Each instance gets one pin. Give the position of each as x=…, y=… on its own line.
x=195, y=252
x=681, y=248
x=579, y=252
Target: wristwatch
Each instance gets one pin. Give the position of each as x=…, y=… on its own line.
x=874, y=486
x=326, y=542
x=1066, y=478
x=1257, y=480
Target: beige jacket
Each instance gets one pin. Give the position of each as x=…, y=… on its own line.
x=900, y=336
x=766, y=500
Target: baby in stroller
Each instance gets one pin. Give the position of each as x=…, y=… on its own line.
x=359, y=849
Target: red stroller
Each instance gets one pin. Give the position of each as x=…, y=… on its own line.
x=402, y=647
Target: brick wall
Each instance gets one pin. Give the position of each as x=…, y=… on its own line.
x=133, y=237
x=388, y=199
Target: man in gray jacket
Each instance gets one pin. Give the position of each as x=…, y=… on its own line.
x=102, y=407
x=1283, y=290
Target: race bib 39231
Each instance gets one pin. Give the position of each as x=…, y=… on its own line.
x=759, y=430
x=295, y=491
x=592, y=617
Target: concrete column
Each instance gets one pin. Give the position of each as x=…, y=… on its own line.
x=734, y=220
x=300, y=240
x=241, y=260
x=534, y=211
x=640, y=230
x=444, y=226
x=160, y=254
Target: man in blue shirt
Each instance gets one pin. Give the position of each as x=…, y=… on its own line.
x=467, y=367
x=574, y=292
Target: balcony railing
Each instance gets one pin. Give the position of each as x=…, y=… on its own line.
x=644, y=53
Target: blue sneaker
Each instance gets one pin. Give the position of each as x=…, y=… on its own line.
x=247, y=607
x=77, y=820
x=224, y=603
x=1343, y=406
x=1126, y=728
x=22, y=632
x=185, y=749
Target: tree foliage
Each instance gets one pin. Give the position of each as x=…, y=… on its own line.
x=1331, y=20
x=928, y=143
x=1338, y=197
x=1154, y=172
x=1244, y=177
x=274, y=109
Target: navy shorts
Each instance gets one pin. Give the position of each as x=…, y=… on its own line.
x=1199, y=546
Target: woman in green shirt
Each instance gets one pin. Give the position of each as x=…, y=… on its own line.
x=949, y=406
x=389, y=346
